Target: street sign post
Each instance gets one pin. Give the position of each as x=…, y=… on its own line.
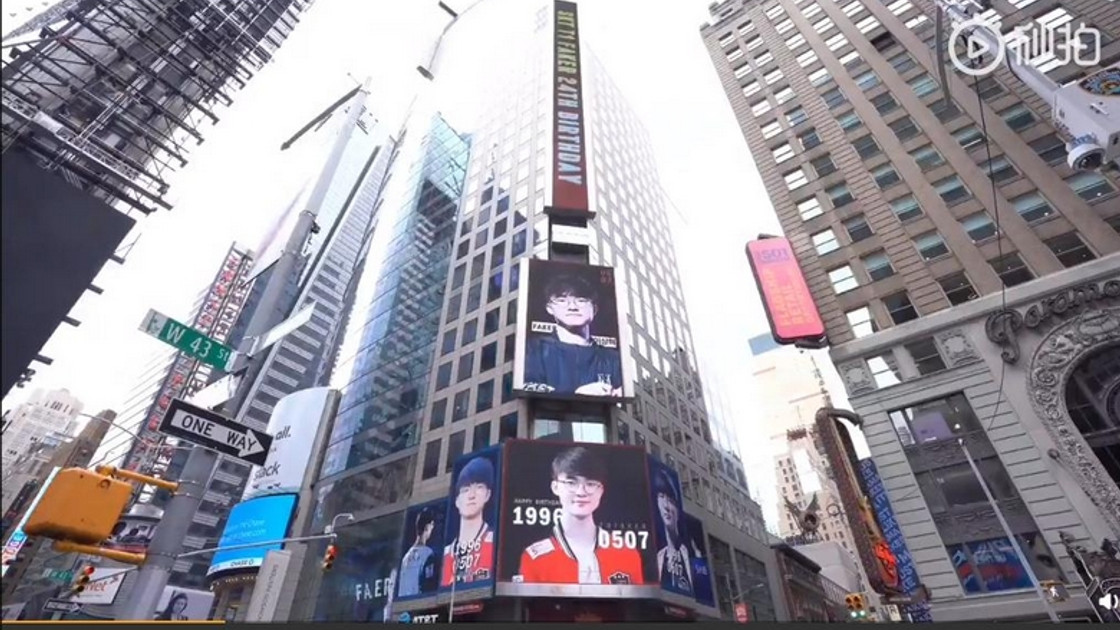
x=187, y=340
x=215, y=432
x=55, y=605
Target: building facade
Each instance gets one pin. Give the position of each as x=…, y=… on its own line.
x=943, y=326
x=43, y=417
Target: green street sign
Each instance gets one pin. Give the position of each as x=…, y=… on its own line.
x=62, y=576
x=187, y=340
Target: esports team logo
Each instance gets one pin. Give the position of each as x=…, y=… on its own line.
x=985, y=46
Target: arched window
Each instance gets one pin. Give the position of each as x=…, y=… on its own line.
x=1093, y=400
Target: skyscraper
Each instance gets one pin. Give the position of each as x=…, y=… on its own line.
x=964, y=272
x=100, y=105
x=43, y=414
x=434, y=374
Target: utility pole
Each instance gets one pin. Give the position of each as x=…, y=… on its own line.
x=177, y=517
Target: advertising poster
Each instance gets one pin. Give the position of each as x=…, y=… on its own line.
x=569, y=164
x=674, y=567
x=183, y=604
x=577, y=518
x=362, y=584
x=256, y=520
x=18, y=538
x=568, y=338
x=132, y=533
x=701, y=570
x=470, y=533
x=789, y=306
x=294, y=422
x=422, y=549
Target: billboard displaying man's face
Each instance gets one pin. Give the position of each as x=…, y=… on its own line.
x=673, y=556
x=422, y=550
x=569, y=343
x=470, y=533
x=576, y=521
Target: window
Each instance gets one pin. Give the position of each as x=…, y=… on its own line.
x=443, y=376
x=900, y=308
x=857, y=228
x=885, y=176
x=439, y=414
x=455, y=446
x=923, y=84
x=979, y=226
x=906, y=208
x=866, y=147
x=1032, y=207
x=1070, y=249
x=448, y=342
x=466, y=366
x=957, y=288
x=884, y=370
x=491, y=322
x=734, y=54
x=969, y=136
x=488, y=357
x=461, y=406
x=795, y=42
x=836, y=42
x=1051, y=148
x=1090, y=185
x=1011, y=269
x=795, y=179
x=852, y=8
x=773, y=76
x=485, y=396
x=809, y=139
x=878, y=265
x=481, y=436
x=507, y=427
x=999, y=169
x=867, y=24
x=431, y=459
x=1018, y=116
x=823, y=166
x=852, y=60
x=952, y=190
x=925, y=356
x=945, y=110
x=751, y=88
x=806, y=58
x=809, y=209
x=849, y=121
x=927, y=157
x=989, y=88
x=825, y=242
x=761, y=107
x=796, y=116
x=763, y=59
x=867, y=80
x=783, y=153
x=905, y=128
x=902, y=62
x=774, y=11
x=861, y=322
x=819, y=77
x=931, y=246
x=823, y=25
x=742, y=70
x=755, y=42
x=726, y=39
x=839, y=195
x=884, y=103
x=784, y=95
x=1114, y=221
x=940, y=419
x=843, y=279
x=470, y=331
x=771, y=129
x=834, y=98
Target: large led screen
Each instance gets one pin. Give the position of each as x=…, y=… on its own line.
x=422, y=550
x=576, y=521
x=674, y=566
x=471, y=530
x=701, y=570
x=253, y=521
x=569, y=341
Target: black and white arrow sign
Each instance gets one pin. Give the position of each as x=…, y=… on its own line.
x=55, y=605
x=215, y=432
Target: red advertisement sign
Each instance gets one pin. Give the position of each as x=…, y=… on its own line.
x=789, y=305
x=569, y=152
x=741, y=613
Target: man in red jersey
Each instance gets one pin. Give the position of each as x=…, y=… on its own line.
x=578, y=551
x=470, y=557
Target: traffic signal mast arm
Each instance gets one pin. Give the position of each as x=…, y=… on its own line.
x=117, y=473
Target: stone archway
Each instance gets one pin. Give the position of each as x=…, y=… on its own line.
x=1059, y=354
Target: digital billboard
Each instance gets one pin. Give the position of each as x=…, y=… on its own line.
x=568, y=336
x=183, y=604
x=576, y=521
x=256, y=520
x=569, y=154
x=18, y=538
x=701, y=570
x=674, y=567
x=470, y=533
x=422, y=550
x=789, y=305
x=360, y=587
x=293, y=425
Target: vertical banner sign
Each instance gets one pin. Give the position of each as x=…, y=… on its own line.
x=569, y=161
x=674, y=558
x=786, y=298
x=907, y=573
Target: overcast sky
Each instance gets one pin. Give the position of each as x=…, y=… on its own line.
x=237, y=180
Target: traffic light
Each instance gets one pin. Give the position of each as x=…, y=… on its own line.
x=857, y=608
x=329, y=556
x=79, y=506
x=85, y=574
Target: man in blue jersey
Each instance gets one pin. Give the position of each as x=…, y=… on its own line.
x=418, y=566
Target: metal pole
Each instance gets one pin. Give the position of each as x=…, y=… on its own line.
x=168, y=540
x=1010, y=536
x=454, y=580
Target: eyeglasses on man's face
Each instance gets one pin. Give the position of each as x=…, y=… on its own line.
x=565, y=300
x=587, y=485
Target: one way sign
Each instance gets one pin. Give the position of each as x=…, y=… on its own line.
x=215, y=432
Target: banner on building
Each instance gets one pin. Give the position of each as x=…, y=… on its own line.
x=257, y=520
x=472, y=521
x=362, y=584
x=184, y=604
x=701, y=569
x=569, y=148
x=294, y=423
x=674, y=566
x=786, y=298
x=569, y=341
x=565, y=504
x=421, y=558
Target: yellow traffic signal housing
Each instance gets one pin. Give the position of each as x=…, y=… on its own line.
x=79, y=506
